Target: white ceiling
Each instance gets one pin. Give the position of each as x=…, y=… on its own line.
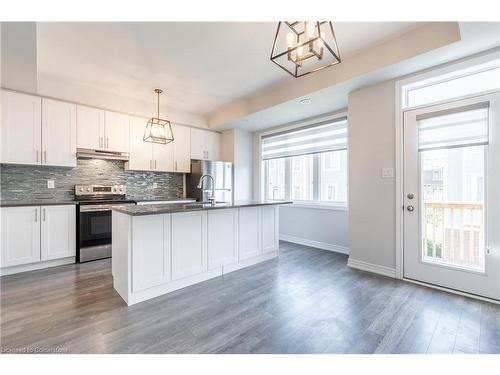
x=201, y=66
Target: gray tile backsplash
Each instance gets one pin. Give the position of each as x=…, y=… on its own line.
x=23, y=182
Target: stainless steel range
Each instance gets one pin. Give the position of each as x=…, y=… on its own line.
x=93, y=219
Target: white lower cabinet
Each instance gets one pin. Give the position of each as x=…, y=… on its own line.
x=269, y=228
x=222, y=237
x=189, y=244
x=58, y=225
x=20, y=236
x=250, y=225
x=151, y=266
x=37, y=234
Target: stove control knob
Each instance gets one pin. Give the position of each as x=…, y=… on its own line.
x=88, y=190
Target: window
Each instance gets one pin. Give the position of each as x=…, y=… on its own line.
x=475, y=79
x=307, y=164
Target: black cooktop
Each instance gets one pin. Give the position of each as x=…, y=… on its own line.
x=103, y=200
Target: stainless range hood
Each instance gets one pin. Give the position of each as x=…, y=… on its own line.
x=86, y=153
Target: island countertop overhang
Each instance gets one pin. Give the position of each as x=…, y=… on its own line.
x=190, y=207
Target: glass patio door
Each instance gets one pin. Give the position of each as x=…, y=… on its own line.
x=452, y=195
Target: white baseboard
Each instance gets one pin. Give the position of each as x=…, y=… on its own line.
x=370, y=267
x=316, y=244
x=36, y=266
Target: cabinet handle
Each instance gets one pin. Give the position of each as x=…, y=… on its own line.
x=155, y=163
x=36, y=215
x=107, y=142
x=43, y=214
x=37, y=156
x=175, y=166
x=45, y=156
x=100, y=142
x=150, y=164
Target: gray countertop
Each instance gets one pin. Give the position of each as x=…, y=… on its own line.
x=38, y=202
x=173, y=208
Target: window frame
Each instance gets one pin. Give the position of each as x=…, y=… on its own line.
x=316, y=203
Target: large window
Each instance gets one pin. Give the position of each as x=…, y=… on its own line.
x=307, y=164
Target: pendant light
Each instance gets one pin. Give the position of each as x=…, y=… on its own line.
x=157, y=129
x=304, y=47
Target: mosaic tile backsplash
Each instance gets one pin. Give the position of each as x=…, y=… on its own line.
x=28, y=182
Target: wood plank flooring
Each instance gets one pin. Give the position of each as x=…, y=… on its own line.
x=305, y=301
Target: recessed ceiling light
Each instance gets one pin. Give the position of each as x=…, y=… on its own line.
x=305, y=101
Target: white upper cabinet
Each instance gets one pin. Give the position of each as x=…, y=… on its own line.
x=116, y=134
x=163, y=157
x=58, y=133
x=205, y=145
x=90, y=128
x=58, y=227
x=182, y=149
x=20, y=236
x=21, y=128
x=141, y=153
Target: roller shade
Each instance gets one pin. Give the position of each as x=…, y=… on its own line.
x=322, y=137
x=465, y=126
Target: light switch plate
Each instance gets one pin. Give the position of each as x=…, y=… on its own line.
x=387, y=172
x=155, y=185
x=50, y=184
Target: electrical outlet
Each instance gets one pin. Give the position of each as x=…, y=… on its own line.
x=155, y=185
x=50, y=184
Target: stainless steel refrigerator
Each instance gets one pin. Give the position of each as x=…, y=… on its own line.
x=222, y=173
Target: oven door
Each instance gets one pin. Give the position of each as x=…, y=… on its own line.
x=95, y=226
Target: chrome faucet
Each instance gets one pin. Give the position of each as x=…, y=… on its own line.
x=200, y=186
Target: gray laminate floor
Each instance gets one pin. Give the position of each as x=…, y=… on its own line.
x=306, y=301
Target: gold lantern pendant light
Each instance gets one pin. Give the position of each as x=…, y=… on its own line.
x=157, y=129
x=304, y=47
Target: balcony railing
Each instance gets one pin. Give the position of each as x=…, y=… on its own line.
x=453, y=232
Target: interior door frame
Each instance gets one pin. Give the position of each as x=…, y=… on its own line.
x=399, y=154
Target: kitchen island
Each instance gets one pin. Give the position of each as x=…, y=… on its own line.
x=161, y=248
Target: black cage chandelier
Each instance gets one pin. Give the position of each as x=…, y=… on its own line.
x=157, y=129
x=304, y=47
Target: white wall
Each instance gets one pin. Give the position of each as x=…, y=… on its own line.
x=371, y=198
x=19, y=63
x=323, y=228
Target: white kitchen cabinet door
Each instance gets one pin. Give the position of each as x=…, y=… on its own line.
x=189, y=244
x=116, y=135
x=163, y=157
x=222, y=237
x=249, y=233
x=89, y=128
x=269, y=228
x=213, y=146
x=58, y=225
x=198, y=144
x=151, y=255
x=21, y=128
x=20, y=235
x=141, y=153
x=58, y=133
x=182, y=149
x=205, y=145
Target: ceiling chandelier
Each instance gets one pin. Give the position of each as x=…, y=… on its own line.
x=157, y=129
x=303, y=47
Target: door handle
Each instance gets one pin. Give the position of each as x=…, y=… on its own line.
x=410, y=208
